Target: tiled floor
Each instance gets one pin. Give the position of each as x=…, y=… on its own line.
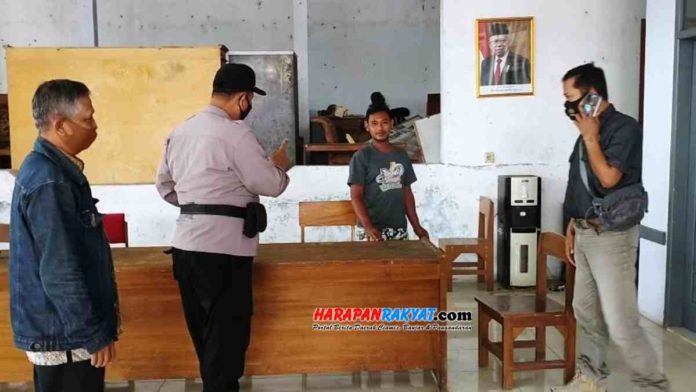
x=677, y=352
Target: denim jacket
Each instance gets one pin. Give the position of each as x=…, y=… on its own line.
x=62, y=288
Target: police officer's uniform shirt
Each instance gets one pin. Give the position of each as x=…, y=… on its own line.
x=213, y=159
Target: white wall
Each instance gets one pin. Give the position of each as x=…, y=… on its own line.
x=659, y=90
x=446, y=201
x=394, y=35
x=240, y=25
x=534, y=130
x=529, y=133
x=301, y=46
x=360, y=46
x=43, y=23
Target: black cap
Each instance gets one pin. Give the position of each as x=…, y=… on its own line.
x=231, y=78
x=499, y=29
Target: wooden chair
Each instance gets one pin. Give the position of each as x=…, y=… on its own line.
x=116, y=228
x=327, y=213
x=4, y=233
x=4, y=238
x=330, y=133
x=334, y=145
x=517, y=312
x=482, y=246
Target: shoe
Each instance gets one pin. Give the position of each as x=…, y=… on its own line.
x=582, y=383
x=652, y=384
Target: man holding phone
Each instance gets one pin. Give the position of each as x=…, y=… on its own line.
x=609, y=155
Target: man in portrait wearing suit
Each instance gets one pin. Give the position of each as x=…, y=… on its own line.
x=503, y=66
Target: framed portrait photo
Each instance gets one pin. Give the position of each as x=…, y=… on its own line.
x=505, y=57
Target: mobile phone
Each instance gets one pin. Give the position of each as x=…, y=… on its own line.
x=590, y=105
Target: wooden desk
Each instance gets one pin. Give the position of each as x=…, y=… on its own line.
x=290, y=280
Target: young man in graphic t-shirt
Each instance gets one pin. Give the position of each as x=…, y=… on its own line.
x=380, y=182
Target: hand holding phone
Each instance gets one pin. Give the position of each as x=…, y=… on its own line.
x=590, y=105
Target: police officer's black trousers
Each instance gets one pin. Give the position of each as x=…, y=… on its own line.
x=216, y=293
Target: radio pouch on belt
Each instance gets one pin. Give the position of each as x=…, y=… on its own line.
x=255, y=220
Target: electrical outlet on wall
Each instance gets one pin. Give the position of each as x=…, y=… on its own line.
x=490, y=157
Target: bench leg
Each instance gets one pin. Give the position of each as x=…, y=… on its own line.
x=508, y=356
x=481, y=266
x=484, y=321
x=540, y=348
x=569, y=348
x=449, y=265
x=490, y=279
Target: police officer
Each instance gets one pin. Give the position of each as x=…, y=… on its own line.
x=214, y=169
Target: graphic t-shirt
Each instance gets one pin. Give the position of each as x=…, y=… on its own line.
x=384, y=175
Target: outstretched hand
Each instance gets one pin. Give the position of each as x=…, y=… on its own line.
x=280, y=158
x=422, y=233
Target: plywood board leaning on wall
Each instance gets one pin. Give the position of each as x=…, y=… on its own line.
x=428, y=131
x=139, y=94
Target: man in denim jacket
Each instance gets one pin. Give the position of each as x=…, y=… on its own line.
x=63, y=298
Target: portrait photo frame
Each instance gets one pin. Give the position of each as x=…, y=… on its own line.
x=504, y=57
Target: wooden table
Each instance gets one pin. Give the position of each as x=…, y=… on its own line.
x=290, y=281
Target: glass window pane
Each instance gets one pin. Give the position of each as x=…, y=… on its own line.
x=524, y=262
x=689, y=14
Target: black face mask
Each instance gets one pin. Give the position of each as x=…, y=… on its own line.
x=572, y=108
x=244, y=113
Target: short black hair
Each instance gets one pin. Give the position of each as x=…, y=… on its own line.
x=379, y=104
x=57, y=96
x=588, y=76
x=499, y=29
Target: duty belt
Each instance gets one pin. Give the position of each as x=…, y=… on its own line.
x=214, y=209
x=254, y=215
